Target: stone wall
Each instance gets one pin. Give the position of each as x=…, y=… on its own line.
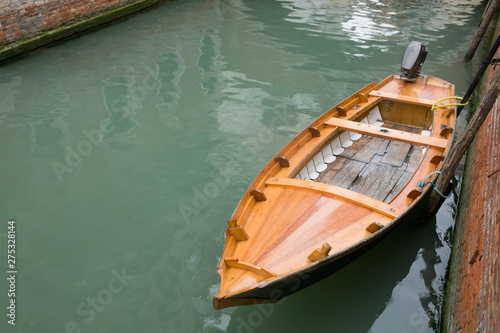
x=27, y=18
x=28, y=24
x=473, y=289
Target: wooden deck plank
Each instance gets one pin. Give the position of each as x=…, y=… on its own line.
x=351, y=196
x=381, y=132
x=416, y=157
x=341, y=172
x=365, y=148
x=377, y=180
x=401, y=183
x=345, y=170
x=396, y=153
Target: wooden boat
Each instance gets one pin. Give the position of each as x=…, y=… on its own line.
x=337, y=189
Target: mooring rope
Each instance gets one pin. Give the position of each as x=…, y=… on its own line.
x=424, y=184
x=434, y=106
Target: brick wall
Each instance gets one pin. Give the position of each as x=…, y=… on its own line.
x=473, y=291
x=27, y=18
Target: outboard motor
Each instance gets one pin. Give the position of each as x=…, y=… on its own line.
x=413, y=60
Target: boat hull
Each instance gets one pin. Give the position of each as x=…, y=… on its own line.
x=336, y=190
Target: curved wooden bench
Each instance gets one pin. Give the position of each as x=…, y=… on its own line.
x=351, y=196
x=235, y=262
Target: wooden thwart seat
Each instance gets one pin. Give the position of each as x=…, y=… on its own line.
x=402, y=98
x=386, y=133
x=235, y=262
x=351, y=196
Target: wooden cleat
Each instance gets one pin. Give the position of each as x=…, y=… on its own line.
x=342, y=112
x=238, y=232
x=415, y=193
x=436, y=159
x=315, y=132
x=283, y=161
x=445, y=130
x=321, y=253
x=258, y=195
x=362, y=97
x=448, y=112
x=373, y=228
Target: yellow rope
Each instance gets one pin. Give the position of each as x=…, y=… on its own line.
x=434, y=106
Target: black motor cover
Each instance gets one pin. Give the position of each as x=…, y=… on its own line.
x=413, y=60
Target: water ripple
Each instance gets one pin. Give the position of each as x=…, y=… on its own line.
x=384, y=20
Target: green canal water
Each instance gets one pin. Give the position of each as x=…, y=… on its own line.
x=124, y=152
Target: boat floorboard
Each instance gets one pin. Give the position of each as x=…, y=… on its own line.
x=376, y=167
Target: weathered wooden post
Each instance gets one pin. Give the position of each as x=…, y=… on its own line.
x=464, y=140
x=489, y=12
x=479, y=75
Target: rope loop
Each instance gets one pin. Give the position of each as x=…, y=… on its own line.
x=435, y=106
x=423, y=184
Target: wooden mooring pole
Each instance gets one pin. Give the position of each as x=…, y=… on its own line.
x=489, y=12
x=487, y=61
x=458, y=150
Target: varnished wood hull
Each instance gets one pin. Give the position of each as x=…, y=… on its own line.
x=308, y=213
x=298, y=280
